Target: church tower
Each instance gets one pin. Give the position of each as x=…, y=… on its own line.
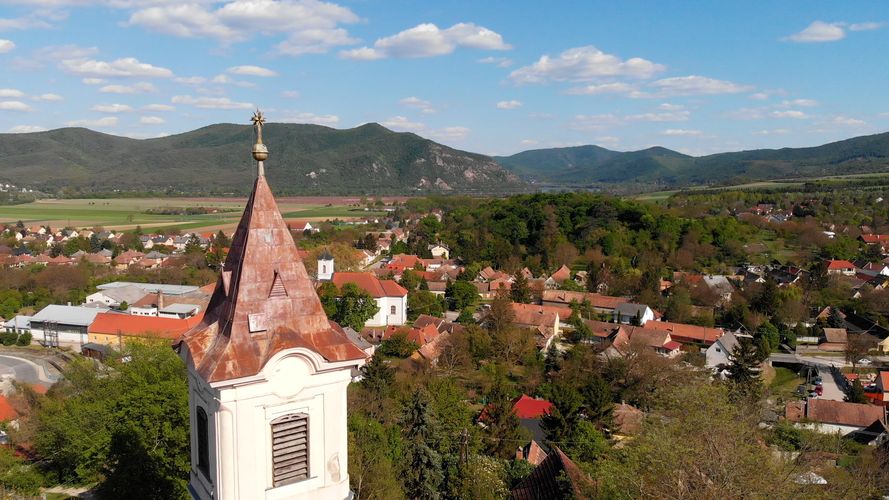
x=267, y=371
x=325, y=266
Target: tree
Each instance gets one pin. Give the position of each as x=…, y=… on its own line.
x=857, y=346
x=410, y=280
x=193, y=245
x=744, y=370
x=423, y=472
x=377, y=378
x=354, y=307
x=374, y=449
x=123, y=306
x=585, y=443
x=856, y=393
x=132, y=424
x=520, y=291
x=835, y=319
x=329, y=295
x=398, y=346
x=766, y=301
x=501, y=423
x=597, y=399
x=423, y=302
x=564, y=414
x=461, y=295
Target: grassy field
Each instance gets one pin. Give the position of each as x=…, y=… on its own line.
x=127, y=213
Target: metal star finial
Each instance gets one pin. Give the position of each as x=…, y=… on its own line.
x=260, y=151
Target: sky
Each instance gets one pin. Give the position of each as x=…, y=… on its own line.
x=495, y=77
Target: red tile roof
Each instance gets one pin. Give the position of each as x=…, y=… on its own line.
x=826, y=411
x=534, y=315
x=142, y=326
x=527, y=407
x=596, y=300
x=376, y=287
x=875, y=238
x=562, y=274
x=264, y=302
x=840, y=264
x=7, y=412
x=687, y=333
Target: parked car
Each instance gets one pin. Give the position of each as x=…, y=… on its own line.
x=813, y=394
x=819, y=390
x=801, y=390
x=865, y=362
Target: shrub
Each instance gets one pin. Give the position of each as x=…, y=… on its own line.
x=24, y=339
x=8, y=338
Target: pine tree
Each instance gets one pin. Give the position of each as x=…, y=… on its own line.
x=744, y=370
x=520, y=291
x=423, y=471
x=835, y=319
x=856, y=393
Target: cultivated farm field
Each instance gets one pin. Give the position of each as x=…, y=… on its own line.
x=127, y=213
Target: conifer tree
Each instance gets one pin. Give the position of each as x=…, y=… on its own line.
x=423, y=471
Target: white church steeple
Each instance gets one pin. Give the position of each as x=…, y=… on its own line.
x=267, y=371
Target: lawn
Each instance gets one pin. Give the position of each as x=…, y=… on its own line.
x=127, y=213
x=785, y=382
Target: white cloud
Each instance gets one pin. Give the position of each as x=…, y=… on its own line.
x=39, y=19
x=584, y=64
x=311, y=26
x=108, y=121
x=112, y=108
x=681, y=132
x=693, y=85
x=867, y=26
x=128, y=89
x=190, y=80
x=528, y=142
x=607, y=140
x=759, y=96
x=666, y=106
x=747, y=114
x=604, y=88
x=804, y=103
x=428, y=40
x=450, y=133
x=326, y=120
x=125, y=67
x=93, y=81
x=417, y=103
x=847, y=121
x=667, y=116
x=158, y=107
x=402, y=124
x=151, y=120
x=819, y=31
x=251, y=71
x=6, y=45
x=290, y=94
x=500, y=62
x=776, y=131
x=47, y=97
x=62, y=52
x=26, y=129
x=14, y=106
x=513, y=104
x=210, y=102
x=226, y=80
x=790, y=113
x=11, y=93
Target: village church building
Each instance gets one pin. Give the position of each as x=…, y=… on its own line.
x=267, y=371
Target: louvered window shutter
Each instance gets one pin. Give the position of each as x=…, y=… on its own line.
x=290, y=449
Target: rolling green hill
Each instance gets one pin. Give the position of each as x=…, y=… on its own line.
x=593, y=164
x=215, y=160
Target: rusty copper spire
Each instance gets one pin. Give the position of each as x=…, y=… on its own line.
x=264, y=301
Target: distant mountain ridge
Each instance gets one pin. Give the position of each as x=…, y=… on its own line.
x=595, y=164
x=215, y=160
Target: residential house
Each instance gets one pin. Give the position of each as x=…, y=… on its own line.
x=555, y=280
x=831, y=417
x=833, y=339
x=721, y=286
x=114, y=297
x=117, y=330
x=556, y=477
x=532, y=453
x=688, y=334
x=882, y=383
x=400, y=262
x=718, y=355
x=544, y=320
x=631, y=313
x=630, y=337
x=18, y=324
x=391, y=298
x=57, y=324
x=439, y=251
x=602, y=304
x=128, y=258
x=840, y=267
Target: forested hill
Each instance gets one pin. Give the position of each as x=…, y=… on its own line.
x=304, y=159
x=594, y=164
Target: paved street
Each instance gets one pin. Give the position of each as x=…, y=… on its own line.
x=832, y=389
x=21, y=369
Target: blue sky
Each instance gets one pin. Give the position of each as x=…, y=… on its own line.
x=495, y=77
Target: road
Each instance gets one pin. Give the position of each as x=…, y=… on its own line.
x=21, y=370
x=832, y=389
